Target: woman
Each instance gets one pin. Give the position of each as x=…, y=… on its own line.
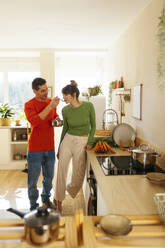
x=77, y=137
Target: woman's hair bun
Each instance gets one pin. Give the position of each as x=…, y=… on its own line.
x=73, y=83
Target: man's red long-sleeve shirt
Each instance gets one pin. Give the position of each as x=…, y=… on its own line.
x=42, y=131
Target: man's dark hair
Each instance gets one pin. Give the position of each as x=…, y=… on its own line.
x=38, y=82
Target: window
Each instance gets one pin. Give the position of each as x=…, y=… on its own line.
x=16, y=77
x=1, y=87
x=19, y=88
x=87, y=70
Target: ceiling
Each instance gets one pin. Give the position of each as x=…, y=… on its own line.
x=65, y=24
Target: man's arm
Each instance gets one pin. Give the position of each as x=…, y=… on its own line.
x=54, y=102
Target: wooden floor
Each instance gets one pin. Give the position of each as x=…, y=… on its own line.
x=13, y=193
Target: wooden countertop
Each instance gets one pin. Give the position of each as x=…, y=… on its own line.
x=12, y=126
x=125, y=194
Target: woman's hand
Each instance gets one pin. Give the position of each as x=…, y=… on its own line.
x=88, y=147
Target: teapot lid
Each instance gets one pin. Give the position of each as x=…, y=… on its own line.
x=41, y=216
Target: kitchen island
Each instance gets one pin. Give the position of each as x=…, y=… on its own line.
x=124, y=194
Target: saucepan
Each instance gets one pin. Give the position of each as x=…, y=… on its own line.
x=41, y=225
x=144, y=155
x=57, y=123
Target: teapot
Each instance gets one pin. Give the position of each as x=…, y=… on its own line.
x=41, y=224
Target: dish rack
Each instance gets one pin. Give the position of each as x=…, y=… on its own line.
x=110, y=118
x=159, y=199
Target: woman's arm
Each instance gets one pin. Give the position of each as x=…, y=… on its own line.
x=93, y=125
x=65, y=126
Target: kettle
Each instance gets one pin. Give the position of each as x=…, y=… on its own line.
x=41, y=224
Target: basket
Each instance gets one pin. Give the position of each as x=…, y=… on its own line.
x=102, y=132
x=159, y=199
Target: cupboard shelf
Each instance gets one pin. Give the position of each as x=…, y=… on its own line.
x=18, y=142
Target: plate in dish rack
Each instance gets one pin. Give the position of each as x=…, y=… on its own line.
x=123, y=133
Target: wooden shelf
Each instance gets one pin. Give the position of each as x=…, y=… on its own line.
x=18, y=142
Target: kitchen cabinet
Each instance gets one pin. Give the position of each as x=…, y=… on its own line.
x=5, y=150
x=13, y=141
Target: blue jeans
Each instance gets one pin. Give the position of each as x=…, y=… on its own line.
x=36, y=161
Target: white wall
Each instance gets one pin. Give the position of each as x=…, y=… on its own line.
x=47, y=67
x=134, y=56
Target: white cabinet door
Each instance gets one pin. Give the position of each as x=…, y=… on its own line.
x=101, y=205
x=5, y=139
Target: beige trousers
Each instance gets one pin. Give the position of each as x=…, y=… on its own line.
x=71, y=147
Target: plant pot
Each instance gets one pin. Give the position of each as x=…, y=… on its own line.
x=5, y=121
x=17, y=122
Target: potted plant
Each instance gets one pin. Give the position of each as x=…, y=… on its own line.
x=96, y=90
x=6, y=112
x=20, y=118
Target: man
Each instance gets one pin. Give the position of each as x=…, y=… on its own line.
x=40, y=111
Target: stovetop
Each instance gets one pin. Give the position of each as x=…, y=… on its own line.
x=125, y=165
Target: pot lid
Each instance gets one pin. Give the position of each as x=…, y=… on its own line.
x=41, y=216
x=144, y=148
x=138, y=150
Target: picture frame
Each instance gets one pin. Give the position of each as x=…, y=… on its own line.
x=137, y=101
x=49, y=92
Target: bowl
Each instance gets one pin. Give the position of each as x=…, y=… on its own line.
x=115, y=225
x=159, y=199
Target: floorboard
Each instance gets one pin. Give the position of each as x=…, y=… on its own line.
x=13, y=193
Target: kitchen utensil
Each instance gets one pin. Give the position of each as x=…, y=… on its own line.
x=144, y=155
x=41, y=225
x=159, y=199
x=116, y=225
x=17, y=156
x=156, y=178
x=110, y=119
x=24, y=136
x=125, y=133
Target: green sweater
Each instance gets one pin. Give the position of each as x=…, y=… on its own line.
x=79, y=121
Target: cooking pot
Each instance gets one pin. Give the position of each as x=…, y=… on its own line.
x=41, y=225
x=57, y=123
x=144, y=155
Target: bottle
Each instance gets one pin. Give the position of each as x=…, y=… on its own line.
x=14, y=136
x=121, y=83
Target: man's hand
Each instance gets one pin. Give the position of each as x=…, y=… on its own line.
x=54, y=102
x=58, y=118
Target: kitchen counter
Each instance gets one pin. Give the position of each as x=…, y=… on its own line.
x=12, y=126
x=125, y=194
